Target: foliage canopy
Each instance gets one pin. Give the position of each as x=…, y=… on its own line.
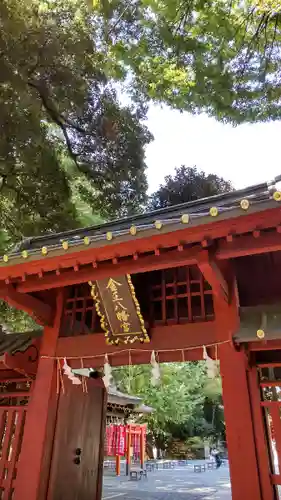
x=57, y=107
x=187, y=184
x=186, y=403
x=218, y=56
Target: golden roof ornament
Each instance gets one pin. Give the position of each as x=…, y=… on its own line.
x=185, y=219
x=244, y=204
x=277, y=196
x=214, y=212
x=158, y=224
x=133, y=230
x=260, y=334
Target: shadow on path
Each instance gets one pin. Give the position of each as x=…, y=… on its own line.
x=174, y=484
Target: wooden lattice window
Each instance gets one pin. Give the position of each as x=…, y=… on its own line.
x=170, y=296
x=180, y=295
x=79, y=314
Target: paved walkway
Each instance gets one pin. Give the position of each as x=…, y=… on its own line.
x=180, y=483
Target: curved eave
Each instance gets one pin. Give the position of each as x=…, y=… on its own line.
x=117, y=397
x=147, y=238
x=144, y=409
x=253, y=194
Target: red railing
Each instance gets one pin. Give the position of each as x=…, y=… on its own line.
x=14, y=396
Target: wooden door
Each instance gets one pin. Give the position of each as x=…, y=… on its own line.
x=76, y=470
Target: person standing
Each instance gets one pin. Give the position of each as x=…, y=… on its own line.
x=217, y=457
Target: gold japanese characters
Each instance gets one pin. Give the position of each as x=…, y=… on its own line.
x=117, y=305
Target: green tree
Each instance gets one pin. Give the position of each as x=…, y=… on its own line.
x=178, y=401
x=220, y=57
x=187, y=184
x=213, y=411
x=57, y=103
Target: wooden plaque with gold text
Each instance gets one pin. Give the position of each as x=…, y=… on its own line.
x=119, y=310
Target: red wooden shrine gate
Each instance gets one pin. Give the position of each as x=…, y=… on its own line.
x=204, y=273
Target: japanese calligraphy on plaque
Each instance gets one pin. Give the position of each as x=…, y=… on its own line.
x=120, y=315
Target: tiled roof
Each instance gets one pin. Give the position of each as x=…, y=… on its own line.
x=118, y=397
x=257, y=195
x=233, y=205
x=143, y=409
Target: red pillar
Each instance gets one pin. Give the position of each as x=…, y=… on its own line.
x=118, y=465
x=128, y=454
x=243, y=463
x=142, y=446
x=33, y=468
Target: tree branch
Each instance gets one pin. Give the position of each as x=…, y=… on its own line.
x=56, y=118
x=63, y=123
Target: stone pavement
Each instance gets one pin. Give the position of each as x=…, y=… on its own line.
x=180, y=483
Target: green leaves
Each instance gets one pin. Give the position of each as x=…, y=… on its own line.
x=178, y=401
x=187, y=184
x=186, y=403
x=57, y=102
x=222, y=58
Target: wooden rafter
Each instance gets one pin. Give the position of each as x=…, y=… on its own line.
x=251, y=244
x=37, y=265
x=213, y=275
x=174, y=258
x=41, y=312
x=68, y=274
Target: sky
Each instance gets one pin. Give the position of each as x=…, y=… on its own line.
x=245, y=155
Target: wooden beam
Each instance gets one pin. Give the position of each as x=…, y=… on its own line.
x=227, y=313
x=249, y=245
x=144, y=242
x=180, y=337
x=41, y=312
x=265, y=345
x=140, y=358
x=6, y=375
x=170, y=259
x=213, y=275
x=25, y=362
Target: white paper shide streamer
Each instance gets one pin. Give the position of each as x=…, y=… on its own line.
x=212, y=366
x=107, y=378
x=156, y=375
x=69, y=373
